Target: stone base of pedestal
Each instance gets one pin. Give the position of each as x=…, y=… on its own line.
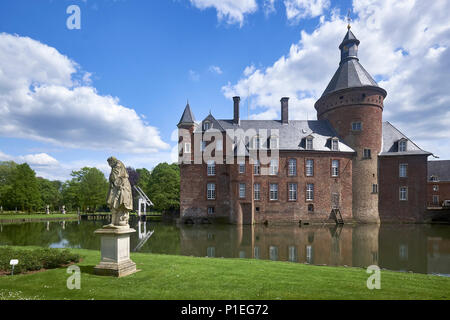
x=115, y=250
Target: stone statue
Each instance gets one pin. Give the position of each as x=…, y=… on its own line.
x=47, y=209
x=119, y=199
x=63, y=210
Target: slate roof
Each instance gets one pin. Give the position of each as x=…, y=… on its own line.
x=291, y=136
x=187, y=117
x=391, y=137
x=439, y=169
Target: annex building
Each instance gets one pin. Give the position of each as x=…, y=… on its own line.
x=347, y=166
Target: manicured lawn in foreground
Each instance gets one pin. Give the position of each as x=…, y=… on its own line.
x=37, y=216
x=178, y=277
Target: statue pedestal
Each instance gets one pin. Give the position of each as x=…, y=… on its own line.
x=115, y=249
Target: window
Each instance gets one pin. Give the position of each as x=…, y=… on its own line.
x=211, y=210
x=309, y=143
x=310, y=208
x=435, y=188
x=257, y=191
x=335, y=145
x=257, y=168
x=241, y=190
x=335, y=168
x=367, y=154
x=256, y=143
x=403, y=170
x=203, y=146
x=292, y=167
x=356, y=126
x=403, y=193
x=211, y=191
x=402, y=146
x=309, y=254
x=273, y=191
x=273, y=253
x=434, y=178
x=309, y=192
x=309, y=168
x=435, y=199
x=211, y=252
x=187, y=147
x=374, y=188
x=273, y=143
x=241, y=168
x=293, y=255
x=211, y=168
x=292, y=191
x=219, y=145
x=206, y=126
x=257, y=254
x=273, y=167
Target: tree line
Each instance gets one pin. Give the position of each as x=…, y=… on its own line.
x=22, y=190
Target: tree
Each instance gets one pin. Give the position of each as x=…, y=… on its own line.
x=163, y=187
x=24, y=192
x=144, y=177
x=93, y=187
x=6, y=170
x=133, y=176
x=50, y=192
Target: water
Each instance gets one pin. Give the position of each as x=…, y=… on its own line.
x=417, y=248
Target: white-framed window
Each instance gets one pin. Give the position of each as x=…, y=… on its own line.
x=403, y=170
x=273, y=253
x=435, y=187
x=203, y=146
x=241, y=190
x=335, y=145
x=403, y=193
x=273, y=191
x=435, y=199
x=374, y=188
x=309, y=254
x=309, y=167
x=219, y=145
x=309, y=143
x=187, y=147
x=292, y=191
x=241, y=168
x=310, y=192
x=356, y=126
x=211, y=191
x=402, y=145
x=257, y=168
x=211, y=168
x=293, y=254
x=206, y=126
x=367, y=154
x=257, y=191
x=292, y=167
x=274, y=167
x=211, y=210
x=273, y=143
x=335, y=168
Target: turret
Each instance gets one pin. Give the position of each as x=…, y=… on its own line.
x=353, y=104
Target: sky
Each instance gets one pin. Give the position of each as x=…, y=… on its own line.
x=118, y=85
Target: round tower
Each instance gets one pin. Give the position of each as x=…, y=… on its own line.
x=353, y=104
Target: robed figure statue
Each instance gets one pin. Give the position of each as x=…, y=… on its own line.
x=120, y=199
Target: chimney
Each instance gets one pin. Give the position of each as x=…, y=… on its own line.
x=285, y=110
x=236, y=109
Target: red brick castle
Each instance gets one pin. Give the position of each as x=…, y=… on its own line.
x=347, y=166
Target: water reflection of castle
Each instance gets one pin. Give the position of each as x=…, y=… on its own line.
x=359, y=246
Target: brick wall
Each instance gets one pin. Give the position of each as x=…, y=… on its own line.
x=443, y=191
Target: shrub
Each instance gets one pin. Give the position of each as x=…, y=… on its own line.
x=36, y=259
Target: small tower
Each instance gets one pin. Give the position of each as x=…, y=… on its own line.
x=353, y=104
x=186, y=128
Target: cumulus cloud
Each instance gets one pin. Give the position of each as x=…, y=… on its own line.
x=45, y=96
x=232, y=11
x=299, y=9
x=404, y=45
x=215, y=69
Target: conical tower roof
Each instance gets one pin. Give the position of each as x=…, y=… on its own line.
x=188, y=117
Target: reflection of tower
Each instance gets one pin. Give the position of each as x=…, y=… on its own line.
x=63, y=224
x=48, y=226
x=365, y=245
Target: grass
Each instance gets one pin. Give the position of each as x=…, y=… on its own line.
x=37, y=216
x=178, y=277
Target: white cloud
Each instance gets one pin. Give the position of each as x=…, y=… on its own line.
x=40, y=159
x=269, y=7
x=300, y=9
x=404, y=44
x=194, y=76
x=215, y=69
x=45, y=97
x=233, y=11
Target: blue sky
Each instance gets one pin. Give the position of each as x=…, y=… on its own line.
x=151, y=56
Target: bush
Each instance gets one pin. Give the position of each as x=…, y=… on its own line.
x=37, y=259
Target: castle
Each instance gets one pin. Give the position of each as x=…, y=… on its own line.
x=348, y=166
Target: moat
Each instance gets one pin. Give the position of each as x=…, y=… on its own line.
x=408, y=247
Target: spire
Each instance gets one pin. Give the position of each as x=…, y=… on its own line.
x=188, y=117
x=349, y=47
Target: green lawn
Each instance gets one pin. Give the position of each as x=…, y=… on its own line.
x=37, y=216
x=178, y=277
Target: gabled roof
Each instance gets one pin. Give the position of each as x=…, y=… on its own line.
x=391, y=137
x=439, y=169
x=214, y=123
x=187, y=117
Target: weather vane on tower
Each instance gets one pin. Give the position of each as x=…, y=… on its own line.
x=349, y=19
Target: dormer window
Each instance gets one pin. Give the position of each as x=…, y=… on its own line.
x=273, y=143
x=402, y=145
x=206, y=126
x=434, y=178
x=309, y=143
x=335, y=144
